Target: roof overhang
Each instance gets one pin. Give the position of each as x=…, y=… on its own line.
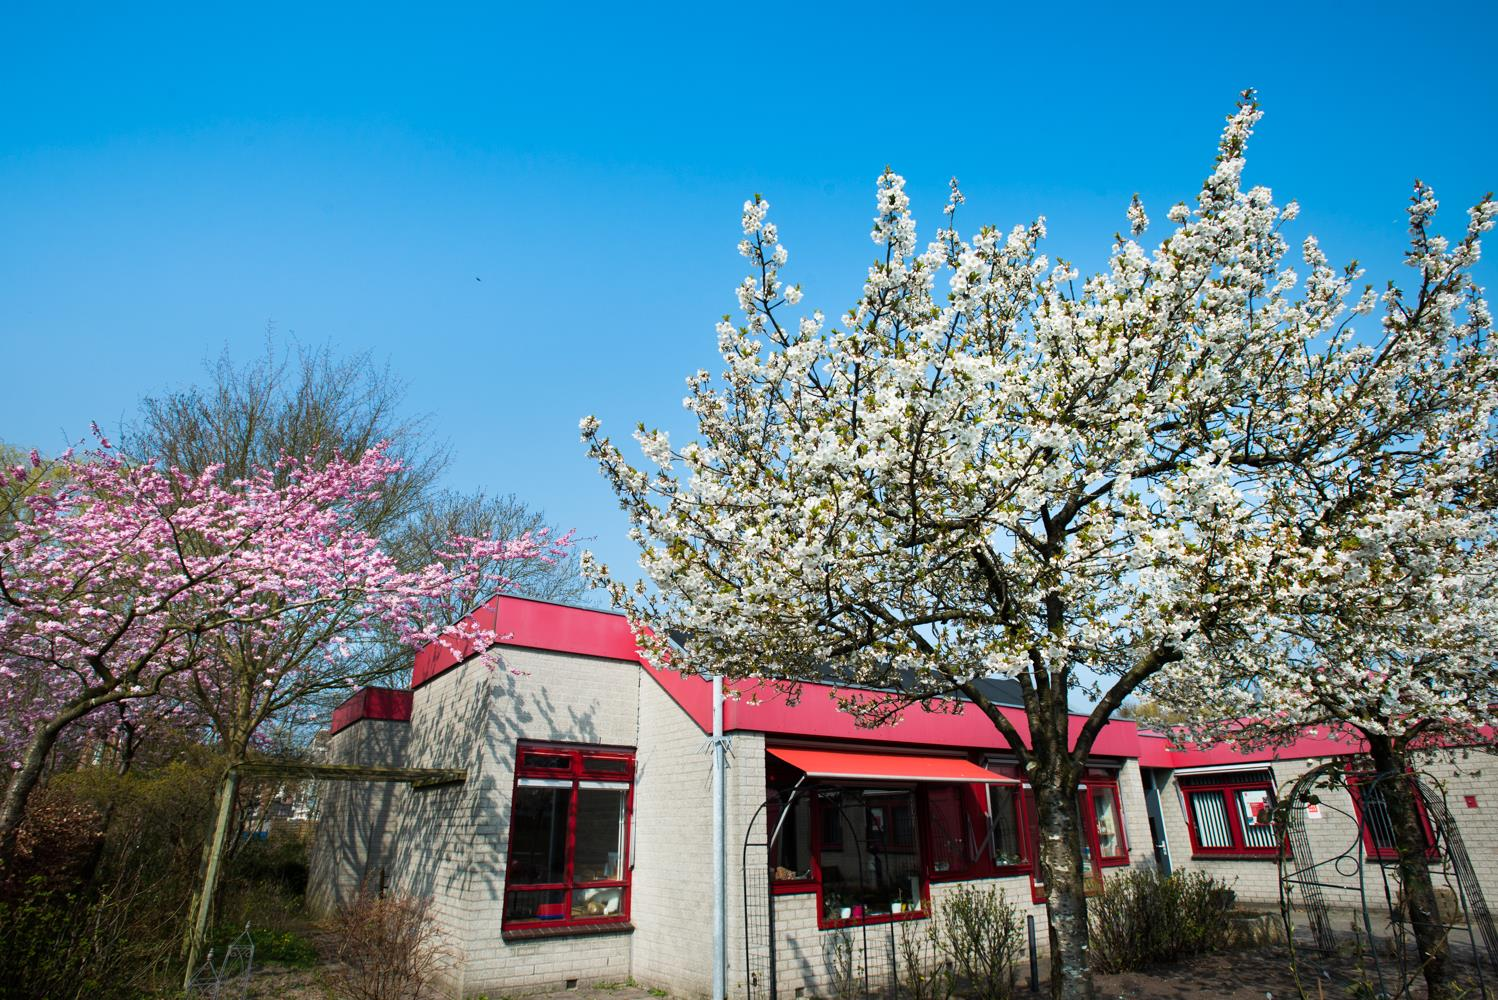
x=856, y=765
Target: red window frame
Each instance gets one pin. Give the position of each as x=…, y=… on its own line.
x=1371, y=847
x=559, y=762
x=973, y=810
x=1107, y=780
x=1226, y=786
x=819, y=825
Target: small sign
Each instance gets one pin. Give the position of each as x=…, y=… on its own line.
x=1471, y=801
x=1313, y=810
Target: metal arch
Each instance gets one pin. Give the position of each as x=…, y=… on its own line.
x=1302, y=879
x=756, y=972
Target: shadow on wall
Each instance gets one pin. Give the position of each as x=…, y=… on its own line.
x=453, y=838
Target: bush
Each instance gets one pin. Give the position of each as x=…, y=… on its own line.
x=57, y=945
x=978, y=931
x=387, y=948
x=924, y=972
x=1142, y=917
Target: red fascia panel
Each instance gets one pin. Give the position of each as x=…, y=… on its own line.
x=385, y=704
x=852, y=764
x=758, y=707
x=1319, y=741
x=536, y=625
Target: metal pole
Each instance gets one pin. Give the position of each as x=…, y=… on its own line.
x=720, y=823
x=1034, y=959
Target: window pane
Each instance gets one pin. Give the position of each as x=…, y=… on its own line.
x=792, y=854
x=542, y=904
x=538, y=843
x=588, y=903
x=877, y=870
x=1376, y=818
x=1109, y=833
x=600, y=834
x=1211, y=817
x=606, y=765
x=1032, y=824
x=1255, y=811
x=547, y=761
x=951, y=852
x=1004, y=803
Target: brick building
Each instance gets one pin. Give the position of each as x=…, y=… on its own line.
x=578, y=848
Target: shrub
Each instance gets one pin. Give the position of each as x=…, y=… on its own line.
x=924, y=973
x=57, y=945
x=1142, y=917
x=387, y=948
x=978, y=931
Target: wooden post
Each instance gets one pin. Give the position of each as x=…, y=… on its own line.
x=197, y=934
x=199, y=930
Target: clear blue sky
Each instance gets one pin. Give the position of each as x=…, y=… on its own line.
x=172, y=182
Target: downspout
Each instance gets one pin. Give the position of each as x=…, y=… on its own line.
x=720, y=823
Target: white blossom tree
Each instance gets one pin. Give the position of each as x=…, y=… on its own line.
x=1026, y=474
x=1380, y=618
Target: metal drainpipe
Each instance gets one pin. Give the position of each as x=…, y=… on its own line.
x=720, y=822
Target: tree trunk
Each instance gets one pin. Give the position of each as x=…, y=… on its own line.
x=1060, y=860
x=23, y=782
x=1420, y=902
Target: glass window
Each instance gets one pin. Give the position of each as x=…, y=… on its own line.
x=951, y=842
x=1109, y=826
x=876, y=871
x=1231, y=812
x=1211, y=820
x=792, y=851
x=568, y=838
x=600, y=832
x=1378, y=824
x=1004, y=808
x=538, y=839
x=1256, y=813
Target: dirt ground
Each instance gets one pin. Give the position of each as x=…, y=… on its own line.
x=1238, y=975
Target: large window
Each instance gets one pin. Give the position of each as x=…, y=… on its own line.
x=569, y=837
x=863, y=850
x=1231, y=813
x=1378, y=825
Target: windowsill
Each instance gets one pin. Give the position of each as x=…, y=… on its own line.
x=533, y=931
x=872, y=918
x=1114, y=862
x=792, y=888
x=1234, y=856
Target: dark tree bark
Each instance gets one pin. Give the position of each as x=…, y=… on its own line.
x=1421, y=906
x=1054, y=783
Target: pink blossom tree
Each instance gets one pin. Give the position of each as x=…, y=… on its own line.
x=117, y=577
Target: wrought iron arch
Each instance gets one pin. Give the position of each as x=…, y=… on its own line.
x=759, y=891
x=1316, y=878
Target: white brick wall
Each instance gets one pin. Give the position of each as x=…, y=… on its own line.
x=1472, y=772
x=672, y=884
x=453, y=840
x=356, y=820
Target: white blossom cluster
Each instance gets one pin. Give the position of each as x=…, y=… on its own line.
x=991, y=465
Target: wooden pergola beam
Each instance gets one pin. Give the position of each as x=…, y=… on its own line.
x=416, y=777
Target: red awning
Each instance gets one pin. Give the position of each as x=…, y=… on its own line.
x=855, y=764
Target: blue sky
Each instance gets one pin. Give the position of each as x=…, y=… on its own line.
x=174, y=181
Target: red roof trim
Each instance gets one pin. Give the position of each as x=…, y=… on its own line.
x=384, y=704
x=757, y=706
x=529, y=624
